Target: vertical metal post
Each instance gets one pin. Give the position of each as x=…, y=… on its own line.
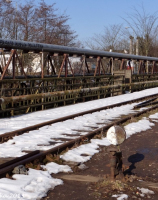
x=97, y=66
x=112, y=66
x=139, y=67
x=84, y=64
x=51, y=63
x=144, y=66
x=42, y=76
x=13, y=64
x=115, y=158
x=147, y=67
x=70, y=66
x=153, y=66
x=48, y=65
x=102, y=66
x=42, y=66
x=66, y=65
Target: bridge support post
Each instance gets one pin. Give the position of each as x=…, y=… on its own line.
x=13, y=57
x=13, y=65
x=64, y=64
x=112, y=66
x=98, y=66
x=42, y=66
x=153, y=67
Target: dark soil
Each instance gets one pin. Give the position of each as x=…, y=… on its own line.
x=140, y=161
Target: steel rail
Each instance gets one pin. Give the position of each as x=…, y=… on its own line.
x=146, y=103
x=19, y=159
x=42, y=47
x=10, y=165
x=4, y=137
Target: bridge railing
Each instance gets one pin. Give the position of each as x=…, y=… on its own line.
x=61, y=81
x=58, y=60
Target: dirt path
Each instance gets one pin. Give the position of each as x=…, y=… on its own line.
x=140, y=158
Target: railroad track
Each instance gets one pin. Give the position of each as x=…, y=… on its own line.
x=9, y=135
x=38, y=156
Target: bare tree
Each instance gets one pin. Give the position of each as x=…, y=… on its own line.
x=45, y=21
x=53, y=28
x=40, y=23
x=112, y=38
x=27, y=21
x=7, y=20
x=144, y=26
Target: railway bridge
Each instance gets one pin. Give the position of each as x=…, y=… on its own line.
x=37, y=76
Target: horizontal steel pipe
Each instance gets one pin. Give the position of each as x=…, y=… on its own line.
x=42, y=47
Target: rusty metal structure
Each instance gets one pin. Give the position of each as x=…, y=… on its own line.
x=66, y=75
x=115, y=157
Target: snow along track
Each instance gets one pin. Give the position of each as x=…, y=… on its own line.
x=37, y=155
x=50, y=136
x=37, y=183
x=8, y=135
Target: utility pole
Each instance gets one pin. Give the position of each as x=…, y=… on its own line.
x=131, y=45
x=137, y=46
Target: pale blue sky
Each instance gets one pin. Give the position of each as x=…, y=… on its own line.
x=88, y=17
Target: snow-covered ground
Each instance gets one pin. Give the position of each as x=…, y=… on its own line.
x=17, y=122
x=40, y=139
x=36, y=184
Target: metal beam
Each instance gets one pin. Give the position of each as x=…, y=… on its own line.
x=15, y=44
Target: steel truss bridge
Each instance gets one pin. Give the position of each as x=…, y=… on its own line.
x=66, y=75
